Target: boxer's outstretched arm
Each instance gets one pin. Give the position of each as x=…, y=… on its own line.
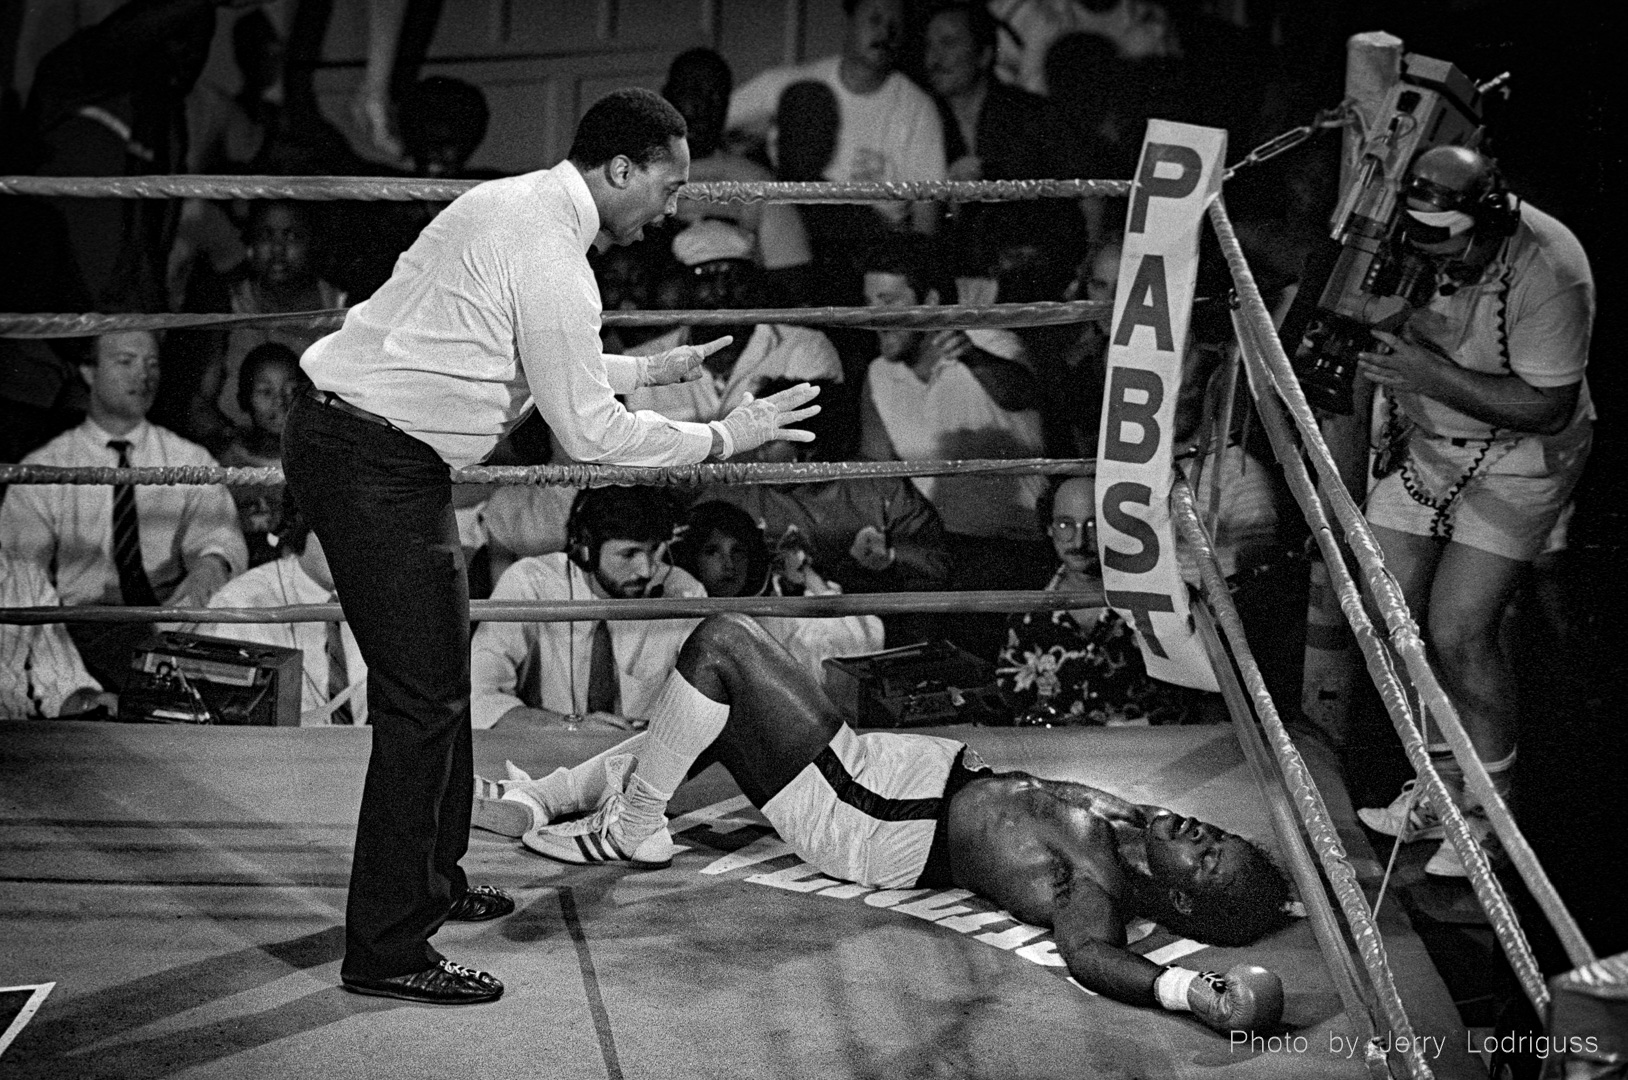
x=1090, y=932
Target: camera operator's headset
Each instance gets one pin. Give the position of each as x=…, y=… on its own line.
x=1457, y=178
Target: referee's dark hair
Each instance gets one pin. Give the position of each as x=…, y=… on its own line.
x=637, y=124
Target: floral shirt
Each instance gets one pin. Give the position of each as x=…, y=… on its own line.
x=1089, y=676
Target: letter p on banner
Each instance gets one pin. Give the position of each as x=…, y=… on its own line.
x=1179, y=173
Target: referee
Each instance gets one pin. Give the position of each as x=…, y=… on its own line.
x=492, y=307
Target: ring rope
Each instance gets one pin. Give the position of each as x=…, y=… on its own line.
x=578, y=476
x=1244, y=707
x=1488, y=890
x=1404, y=632
x=372, y=188
x=916, y=316
x=1342, y=877
x=678, y=607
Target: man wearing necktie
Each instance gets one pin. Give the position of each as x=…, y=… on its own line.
x=127, y=544
x=599, y=674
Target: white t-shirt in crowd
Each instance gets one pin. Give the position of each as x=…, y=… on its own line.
x=951, y=416
x=890, y=134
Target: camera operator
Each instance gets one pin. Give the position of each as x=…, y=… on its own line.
x=1484, y=424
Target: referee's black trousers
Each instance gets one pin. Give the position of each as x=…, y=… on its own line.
x=381, y=503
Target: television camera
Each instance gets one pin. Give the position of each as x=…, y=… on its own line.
x=1367, y=279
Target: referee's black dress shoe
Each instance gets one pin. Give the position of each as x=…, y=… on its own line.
x=479, y=903
x=444, y=984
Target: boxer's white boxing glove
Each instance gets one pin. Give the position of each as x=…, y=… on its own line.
x=756, y=421
x=1246, y=998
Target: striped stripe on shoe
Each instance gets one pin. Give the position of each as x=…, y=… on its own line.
x=590, y=840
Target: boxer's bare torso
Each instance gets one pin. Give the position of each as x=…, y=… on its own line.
x=1015, y=838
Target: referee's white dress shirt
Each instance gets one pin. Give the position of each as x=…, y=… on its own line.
x=67, y=529
x=495, y=304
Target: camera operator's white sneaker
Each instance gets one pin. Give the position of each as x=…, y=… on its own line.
x=1409, y=816
x=1446, y=861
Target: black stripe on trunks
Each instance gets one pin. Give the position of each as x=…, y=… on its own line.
x=869, y=802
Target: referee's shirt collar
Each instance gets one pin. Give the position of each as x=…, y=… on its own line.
x=583, y=200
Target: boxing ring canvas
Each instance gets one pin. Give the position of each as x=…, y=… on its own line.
x=184, y=889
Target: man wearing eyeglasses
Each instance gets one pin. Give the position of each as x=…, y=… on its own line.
x=1082, y=666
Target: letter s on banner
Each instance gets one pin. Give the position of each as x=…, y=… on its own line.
x=1180, y=172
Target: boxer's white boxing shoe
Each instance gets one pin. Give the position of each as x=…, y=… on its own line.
x=494, y=813
x=599, y=838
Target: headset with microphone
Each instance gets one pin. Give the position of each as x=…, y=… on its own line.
x=599, y=515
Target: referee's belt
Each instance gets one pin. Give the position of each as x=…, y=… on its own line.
x=334, y=401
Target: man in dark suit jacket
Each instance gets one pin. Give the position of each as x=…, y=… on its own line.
x=993, y=131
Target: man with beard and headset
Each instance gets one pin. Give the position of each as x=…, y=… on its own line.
x=593, y=673
x=897, y=810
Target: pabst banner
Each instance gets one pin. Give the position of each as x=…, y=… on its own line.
x=1180, y=172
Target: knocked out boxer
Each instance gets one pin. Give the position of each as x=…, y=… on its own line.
x=902, y=810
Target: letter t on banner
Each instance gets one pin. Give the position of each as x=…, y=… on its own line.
x=1179, y=173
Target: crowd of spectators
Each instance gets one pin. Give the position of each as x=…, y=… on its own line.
x=959, y=90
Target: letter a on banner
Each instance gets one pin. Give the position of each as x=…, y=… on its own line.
x=1180, y=172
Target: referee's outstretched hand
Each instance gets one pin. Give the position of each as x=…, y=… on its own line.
x=681, y=363
x=756, y=421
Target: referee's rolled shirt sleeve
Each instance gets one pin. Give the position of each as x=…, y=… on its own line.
x=557, y=334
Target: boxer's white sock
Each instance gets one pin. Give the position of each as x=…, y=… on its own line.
x=569, y=791
x=683, y=723
x=1447, y=767
x=1502, y=774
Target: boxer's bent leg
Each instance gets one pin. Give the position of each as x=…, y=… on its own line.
x=380, y=502
x=779, y=717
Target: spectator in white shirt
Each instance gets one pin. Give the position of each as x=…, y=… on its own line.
x=598, y=673
x=333, y=690
x=177, y=544
x=719, y=274
x=950, y=394
x=493, y=308
x=41, y=674
x=955, y=395
x=888, y=127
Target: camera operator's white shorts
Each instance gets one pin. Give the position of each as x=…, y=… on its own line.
x=867, y=808
x=1510, y=506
